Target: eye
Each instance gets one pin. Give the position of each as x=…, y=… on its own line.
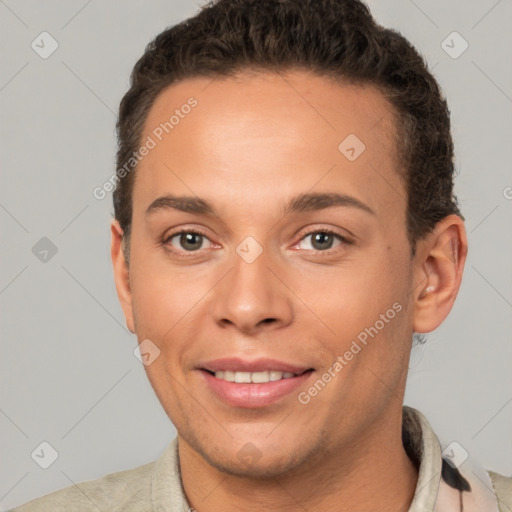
x=190, y=241
x=323, y=240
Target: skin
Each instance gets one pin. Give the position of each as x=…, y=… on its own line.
x=253, y=142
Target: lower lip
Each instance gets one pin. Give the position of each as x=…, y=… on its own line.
x=254, y=395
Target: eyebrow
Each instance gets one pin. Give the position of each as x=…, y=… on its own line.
x=302, y=203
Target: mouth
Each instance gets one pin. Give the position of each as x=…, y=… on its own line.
x=255, y=384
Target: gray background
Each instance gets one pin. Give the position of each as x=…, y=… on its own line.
x=67, y=369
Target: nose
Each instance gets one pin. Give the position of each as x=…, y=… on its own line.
x=251, y=298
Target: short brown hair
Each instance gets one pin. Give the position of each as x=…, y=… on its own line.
x=337, y=38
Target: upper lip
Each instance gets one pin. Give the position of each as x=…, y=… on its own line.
x=236, y=364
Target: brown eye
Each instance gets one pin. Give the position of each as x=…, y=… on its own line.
x=323, y=240
x=189, y=241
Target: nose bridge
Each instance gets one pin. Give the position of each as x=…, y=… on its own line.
x=251, y=296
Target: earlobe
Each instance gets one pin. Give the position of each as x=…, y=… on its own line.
x=121, y=273
x=438, y=273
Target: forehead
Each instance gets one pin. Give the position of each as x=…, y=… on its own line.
x=290, y=99
x=269, y=133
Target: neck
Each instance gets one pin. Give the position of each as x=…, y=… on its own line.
x=373, y=472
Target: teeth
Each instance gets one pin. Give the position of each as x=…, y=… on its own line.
x=255, y=377
x=242, y=377
x=260, y=377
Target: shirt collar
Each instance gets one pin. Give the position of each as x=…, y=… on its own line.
x=448, y=480
x=423, y=449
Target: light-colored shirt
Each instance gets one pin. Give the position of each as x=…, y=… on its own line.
x=447, y=482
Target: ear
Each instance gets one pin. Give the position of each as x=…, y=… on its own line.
x=438, y=268
x=121, y=273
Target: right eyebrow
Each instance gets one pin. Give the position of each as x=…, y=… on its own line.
x=186, y=204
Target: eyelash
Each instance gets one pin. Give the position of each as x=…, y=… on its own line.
x=183, y=253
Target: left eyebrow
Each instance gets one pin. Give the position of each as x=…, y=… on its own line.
x=302, y=203
x=318, y=201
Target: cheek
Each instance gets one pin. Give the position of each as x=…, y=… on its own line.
x=364, y=307
x=161, y=294
x=353, y=296
x=168, y=309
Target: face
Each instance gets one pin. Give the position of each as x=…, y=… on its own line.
x=290, y=255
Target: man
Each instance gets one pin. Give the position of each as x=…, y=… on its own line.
x=284, y=224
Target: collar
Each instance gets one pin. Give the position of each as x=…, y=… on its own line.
x=448, y=480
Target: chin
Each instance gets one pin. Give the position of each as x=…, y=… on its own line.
x=260, y=470
x=270, y=462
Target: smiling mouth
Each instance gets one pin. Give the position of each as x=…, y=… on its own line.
x=254, y=377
